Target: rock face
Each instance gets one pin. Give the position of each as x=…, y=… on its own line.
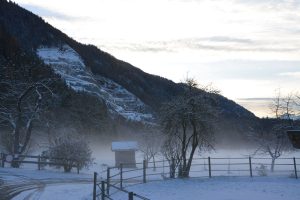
x=68, y=64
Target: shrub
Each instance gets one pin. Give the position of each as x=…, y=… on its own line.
x=70, y=151
x=262, y=170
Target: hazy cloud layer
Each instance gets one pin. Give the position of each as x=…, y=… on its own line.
x=216, y=43
x=291, y=74
x=49, y=13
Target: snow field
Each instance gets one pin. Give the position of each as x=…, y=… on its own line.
x=225, y=185
x=219, y=188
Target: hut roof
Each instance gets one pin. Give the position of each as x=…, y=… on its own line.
x=124, y=146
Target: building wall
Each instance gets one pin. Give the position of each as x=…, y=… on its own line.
x=127, y=158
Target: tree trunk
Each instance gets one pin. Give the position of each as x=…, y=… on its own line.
x=273, y=164
x=67, y=168
x=15, y=162
x=188, y=164
x=172, y=168
x=180, y=170
x=154, y=164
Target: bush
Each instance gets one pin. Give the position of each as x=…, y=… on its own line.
x=262, y=170
x=69, y=151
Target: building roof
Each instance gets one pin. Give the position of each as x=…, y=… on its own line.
x=124, y=146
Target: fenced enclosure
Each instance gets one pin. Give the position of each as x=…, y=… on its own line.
x=104, y=187
x=40, y=161
x=118, y=178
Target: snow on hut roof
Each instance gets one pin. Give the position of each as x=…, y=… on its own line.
x=124, y=146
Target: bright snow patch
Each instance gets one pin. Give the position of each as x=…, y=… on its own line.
x=68, y=64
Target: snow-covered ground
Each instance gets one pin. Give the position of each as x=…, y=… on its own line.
x=219, y=188
x=29, y=183
x=33, y=184
x=70, y=191
x=61, y=186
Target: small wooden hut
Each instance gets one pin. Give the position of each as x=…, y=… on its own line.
x=125, y=153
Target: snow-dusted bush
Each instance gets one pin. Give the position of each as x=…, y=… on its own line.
x=70, y=151
x=262, y=170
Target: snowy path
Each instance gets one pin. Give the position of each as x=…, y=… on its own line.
x=32, y=185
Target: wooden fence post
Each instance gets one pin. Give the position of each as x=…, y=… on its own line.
x=130, y=196
x=107, y=181
x=163, y=167
x=102, y=190
x=209, y=167
x=250, y=166
x=144, y=171
x=295, y=168
x=2, y=159
x=121, y=176
x=77, y=168
x=39, y=162
x=95, y=186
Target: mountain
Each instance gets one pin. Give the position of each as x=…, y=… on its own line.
x=126, y=92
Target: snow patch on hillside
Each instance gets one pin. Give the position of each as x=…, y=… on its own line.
x=67, y=63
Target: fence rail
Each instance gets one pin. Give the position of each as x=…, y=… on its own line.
x=122, y=176
x=104, y=194
x=40, y=161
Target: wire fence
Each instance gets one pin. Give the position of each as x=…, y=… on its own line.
x=40, y=161
x=103, y=190
x=121, y=177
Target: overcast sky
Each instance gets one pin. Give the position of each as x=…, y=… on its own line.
x=246, y=48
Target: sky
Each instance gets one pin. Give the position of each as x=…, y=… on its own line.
x=245, y=48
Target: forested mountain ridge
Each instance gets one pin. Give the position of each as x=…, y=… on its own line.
x=124, y=91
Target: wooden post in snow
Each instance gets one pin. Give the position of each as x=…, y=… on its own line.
x=250, y=166
x=95, y=186
x=121, y=176
x=209, y=167
x=144, y=171
x=107, y=180
x=295, y=168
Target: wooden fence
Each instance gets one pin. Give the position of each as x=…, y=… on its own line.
x=40, y=161
x=104, y=186
x=117, y=178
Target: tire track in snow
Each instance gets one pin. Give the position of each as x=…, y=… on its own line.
x=13, y=185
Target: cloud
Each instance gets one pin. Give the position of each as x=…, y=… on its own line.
x=48, y=13
x=229, y=39
x=215, y=43
x=135, y=47
x=291, y=74
x=272, y=4
x=256, y=99
x=232, y=44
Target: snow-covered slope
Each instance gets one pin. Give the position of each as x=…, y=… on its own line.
x=68, y=64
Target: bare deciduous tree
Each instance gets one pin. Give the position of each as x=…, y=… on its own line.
x=272, y=139
x=271, y=136
x=150, y=145
x=188, y=120
x=171, y=151
x=20, y=106
x=297, y=104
